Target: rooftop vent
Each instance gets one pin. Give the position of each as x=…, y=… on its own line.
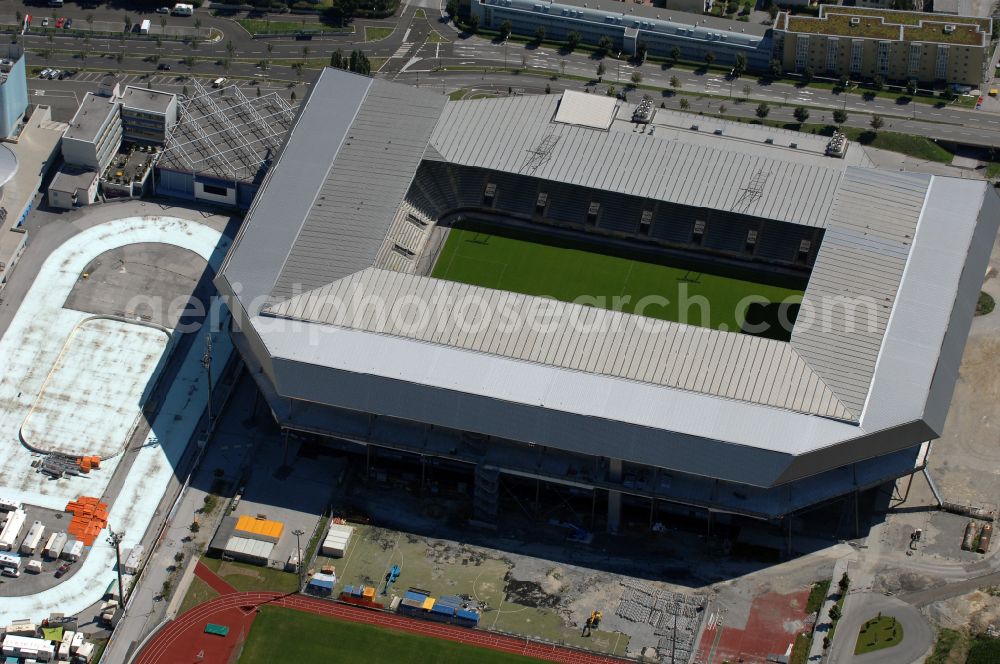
x=855, y=20
x=949, y=28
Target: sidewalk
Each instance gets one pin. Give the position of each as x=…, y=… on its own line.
x=823, y=622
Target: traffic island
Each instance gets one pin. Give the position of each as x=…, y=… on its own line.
x=877, y=634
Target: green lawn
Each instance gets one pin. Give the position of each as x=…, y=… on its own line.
x=198, y=593
x=246, y=577
x=877, y=634
x=524, y=265
x=260, y=26
x=375, y=34
x=286, y=635
x=817, y=595
x=437, y=38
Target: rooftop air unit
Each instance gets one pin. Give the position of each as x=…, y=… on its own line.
x=949, y=28
x=855, y=20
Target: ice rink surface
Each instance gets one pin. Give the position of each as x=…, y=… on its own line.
x=38, y=347
x=92, y=399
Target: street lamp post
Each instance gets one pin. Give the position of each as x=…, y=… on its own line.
x=298, y=532
x=206, y=362
x=115, y=540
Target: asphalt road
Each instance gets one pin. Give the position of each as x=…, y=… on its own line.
x=413, y=53
x=918, y=636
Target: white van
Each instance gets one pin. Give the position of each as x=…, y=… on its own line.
x=218, y=83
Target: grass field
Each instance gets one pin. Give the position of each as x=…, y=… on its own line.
x=572, y=274
x=277, y=636
x=984, y=650
x=198, y=593
x=259, y=26
x=375, y=34
x=245, y=577
x=877, y=634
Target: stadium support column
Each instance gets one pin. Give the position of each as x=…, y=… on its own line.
x=614, y=497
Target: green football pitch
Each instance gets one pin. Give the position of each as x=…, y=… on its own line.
x=287, y=635
x=574, y=274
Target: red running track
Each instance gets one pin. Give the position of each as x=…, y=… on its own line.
x=183, y=639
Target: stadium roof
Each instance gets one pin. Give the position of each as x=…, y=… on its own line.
x=315, y=240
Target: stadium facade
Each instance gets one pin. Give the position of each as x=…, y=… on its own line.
x=349, y=338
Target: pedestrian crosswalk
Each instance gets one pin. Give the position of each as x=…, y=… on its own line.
x=402, y=50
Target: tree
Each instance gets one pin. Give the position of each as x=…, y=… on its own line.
x=337, y=59
x=773, y=12
x=675, y=54
x=451, y=8
x=740, y=65
x=604, y=44
x=843, y=82
x=194, y=44
x=573, y=40
x=876, y=122
x=762, y=110
x=878, y=82
x=600, y=70
x=119, y=56
x=675, y=83
x=154, y=58
x=826, y=643
x=159, y=43
x=473, y=24
x=548, y=89
x=801, y=114
x=722, y=109
x=844, y=583
x=197, y=23
x=505, y=29
x=264, y=64
x=230, y=48
x=189, y=62
x=774, y=69
x=297, y=67
x=835, y=613
x=636, y=77
x=640, y=52
x=292, y=96
x=359, y=63
x=128, y=23
x=90, y=21
x=270, y=47
x=83, y=56
x=685, y=104
x=540, y=34
x=305, y=51
x=709, y=58
x=747, y=89
x=911, y=87
x=163, y=21
x=807, y=75
x=840, y=116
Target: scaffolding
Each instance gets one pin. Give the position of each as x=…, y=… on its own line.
x=225, y=134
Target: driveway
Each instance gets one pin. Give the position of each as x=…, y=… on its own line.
x=918, y=636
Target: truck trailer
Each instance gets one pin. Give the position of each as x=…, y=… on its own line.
x=33, y=539
x=12, y=530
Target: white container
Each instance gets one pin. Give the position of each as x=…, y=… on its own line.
x=31, y=542
x=72, y=551
x=34, y=566
x=54, y=547
x=134, y=560
x=12, y=530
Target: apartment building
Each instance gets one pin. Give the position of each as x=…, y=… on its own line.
x=865, y=43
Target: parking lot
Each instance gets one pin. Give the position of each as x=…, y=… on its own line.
x=30, y=583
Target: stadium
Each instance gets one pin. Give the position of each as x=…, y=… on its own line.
x=648, y=311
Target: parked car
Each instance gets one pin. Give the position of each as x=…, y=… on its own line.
x=60, y=22
x=54, y=73
x=44, y=73
x=45, y=22
x=163, y=66
x=163, y=10
x=62, y=570
x=68, y=24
